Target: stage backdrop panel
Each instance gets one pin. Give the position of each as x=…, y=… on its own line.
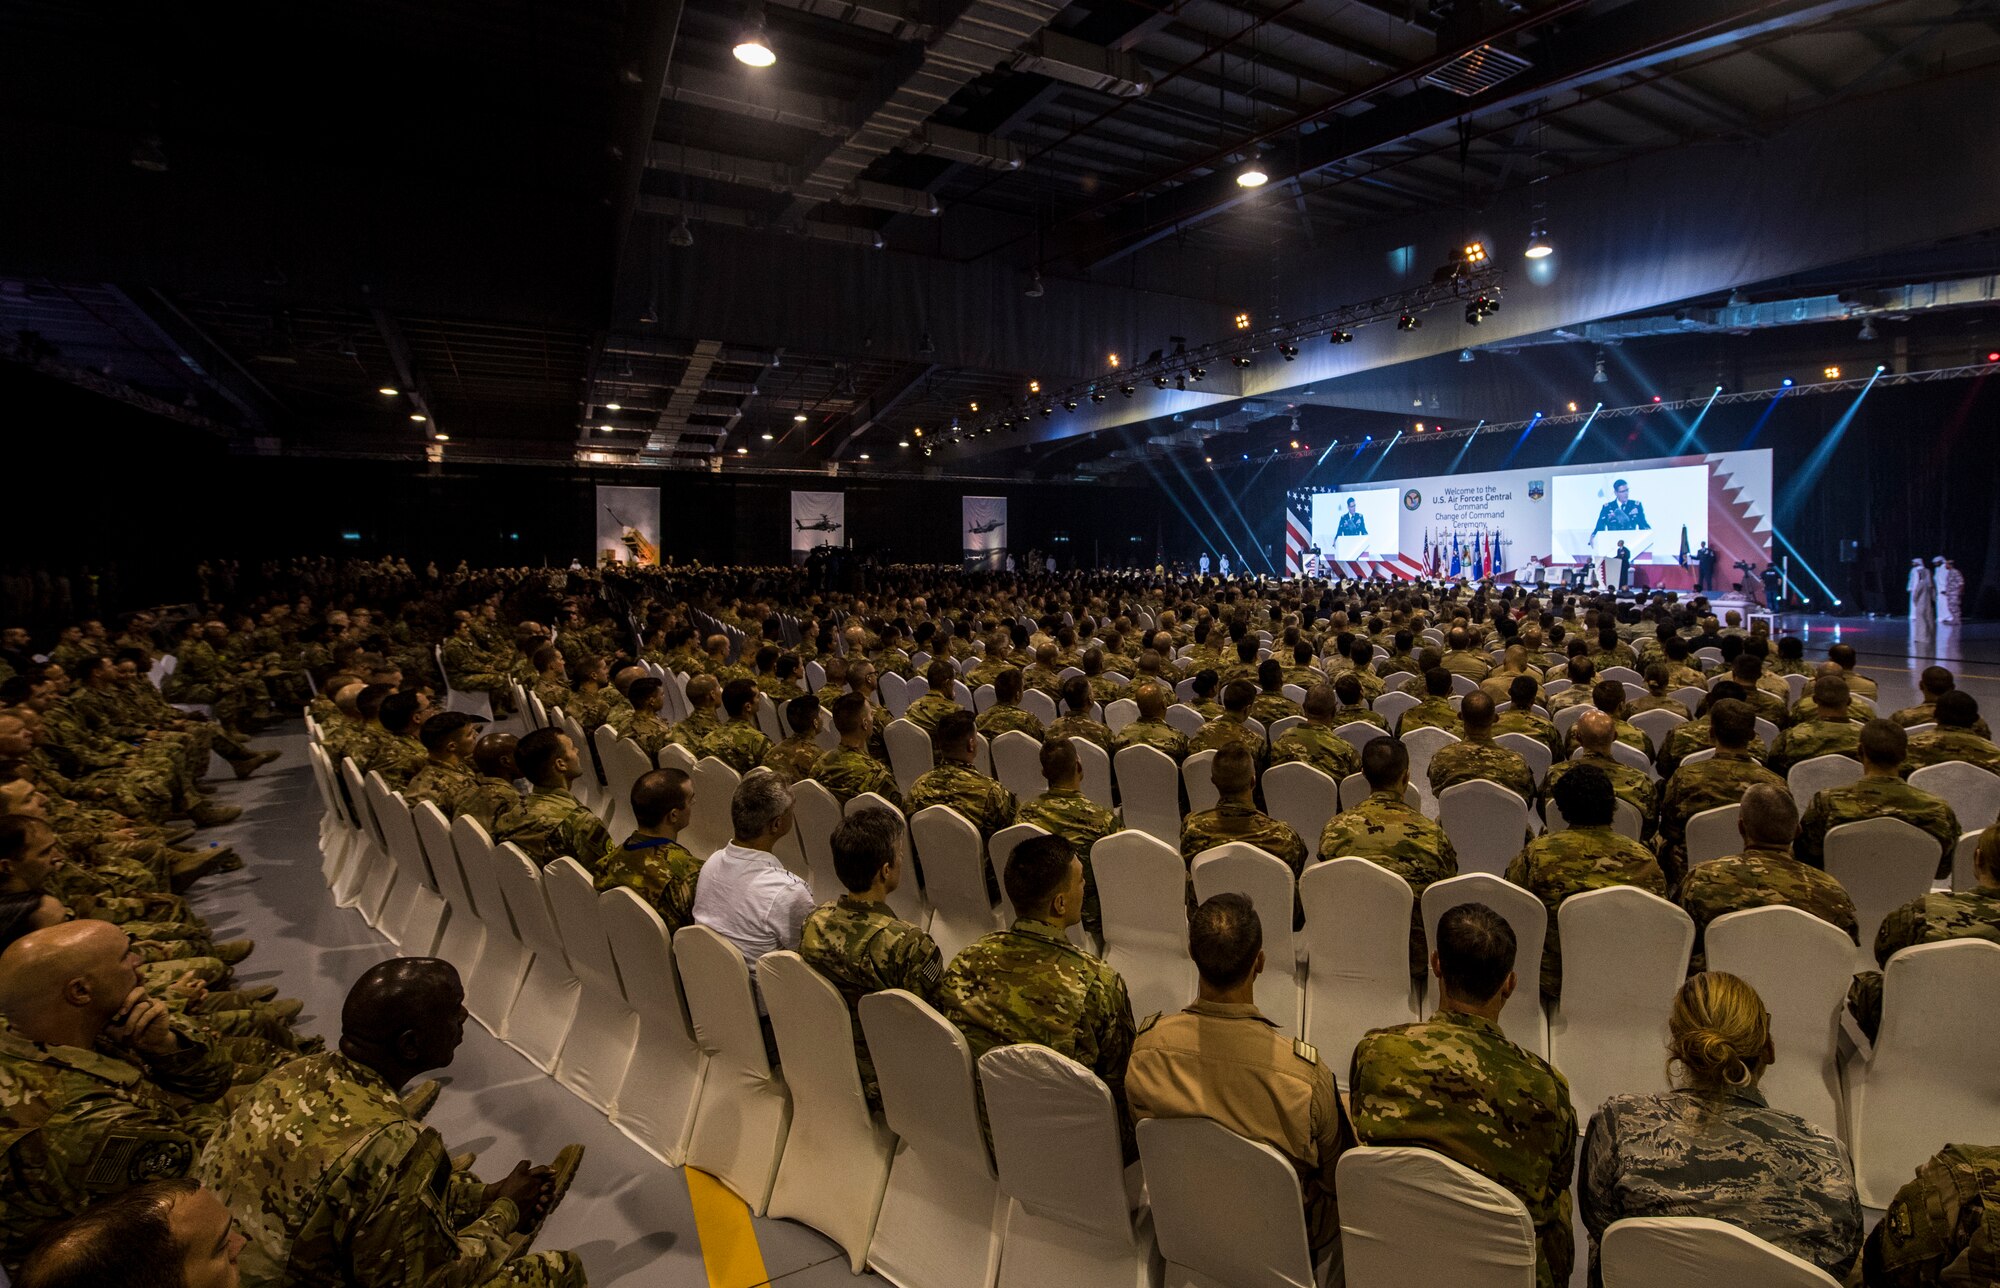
x=628, y=525
x=818, y=519
x=1350, y=527
x=984, y=525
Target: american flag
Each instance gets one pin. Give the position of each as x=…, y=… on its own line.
x=1297, y=540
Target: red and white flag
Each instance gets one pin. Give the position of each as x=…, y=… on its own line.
x=1297, y=540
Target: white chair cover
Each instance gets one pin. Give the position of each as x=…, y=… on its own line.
x=1962, y=875
x=910, y=753
x=600, y=1042
x=1296, y=692
x=1486, y=823
x=1800, y=966
x=1672, y=1252
x=1625, y=955
x=895, y=692
x=1767, y=733
x=1568, y=716
x=625, y=763
x=364, y=882
x=1973, y=793
x=503, y=958
x=1185, y=718
x=746, y=1109
x=1119, y=713
x=1713, y=834
x=836, y=1161
x=546, y=1006
x=586, y=788
x=1359, y=733
x=1395, y=680
x=1245, y=869
x=1096, y=765
x=1696, y=757
x=1522, y=1020
x=709, y=828
x=1622, y=674
x=1358, y=938
x=1626, y=754
x=815, y=813
x=462, y=937
x=942, y=1214
x=954, y=863
x=656, y=1103
x=907, y=899
x=1391, y=706
x=1142, y=892
x=1883, y=863
x=1809, y=778
x=1055, y=1145
x=1462, y=685
x=1411, y=1216
x=815, y=676
x=1197, y=779
x=1017, y=763
x=1283, y=725
x=1040, y=705
x=1150, y=785
x=1302, y=796
x=1422, y=745
x=1531, y=749
x=413, y=914
x=983, y=698
x=1691, y=697
x=1657, y=725
x=1227, y=1211
x=675, y=756
x=1931, y=1078
x=768, y=722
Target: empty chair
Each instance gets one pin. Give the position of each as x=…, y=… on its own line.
x=1302, y=796
x=954, y=865
x=910, y=753
x=1412, y=1216
x=1712, y=834
x=1487, y=824
x=1973, y=793
x=606, y=1028
x=1142, y=894
x=1226, y=1211
x=1150, y=785
x=1809, y=778
x=503, y=958
x=655, y=1106
x=1096, y=765
x=1391, y=706
x=1357, y=933
x=1247, y=870
x=1800, y=966
x=746, y=1110
x=1531, y=749
x=625, y=763
x=815, y=813
x=1017, y=763
x=1196, y=773
x=1522, y=1020
x=1055, y=1146
x=709, y=828
x=1625, y=955
x=1930, y=1077
x=907, y=899
x=1883, y=863
x=1672, y=1252
x=942, y=1212
x=836, y=1160
x=1657, y=724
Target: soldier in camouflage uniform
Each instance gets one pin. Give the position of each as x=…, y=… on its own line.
x=739, y=743
x=1943, y=1227
x=1935, y=682
x=648, y=698
x=492, y=795
x=396, y=753
x=470, y=669
x=448, y=737
x=201, y=676
x=849, y=769
x=1956, y=737
x=1713, y=1147
x=937, y=703
x=1347, y=688
x=1435, y=711
x=1065, y=811
x=1476, y=755
x=1151, y=728
x=1710, y=784
x=551, y=823
x=1076, y=722
x=857, y=942
x=1829, y=731
x=1237, y=818
x=652, y=860
x=983, y=801
x=794, y=758
x=589, y=697
x=1387, y=830
x=1582, y=677
x=1880, y=792
x=1455, y=1084
x=332, y=1181
x=1029, y=983
x=1204, y=702
x=1765, y=874
x=1588, y=855
x=1315, y=743
x=1593, y=733
x=1519, y=716
x=551, y=678
x=1229, y=728
x=1608, y=696
x=1271, y=705
x=1006, y=714
x=704, y=697
x=83, y=1122
x=1044, y=673
x=1931, y=919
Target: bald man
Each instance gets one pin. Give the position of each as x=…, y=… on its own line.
x=1594, y=732
x=332, y=1181
x=493, y=794
x=91, y=1124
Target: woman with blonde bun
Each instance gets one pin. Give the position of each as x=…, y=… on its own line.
x=1712, y=1147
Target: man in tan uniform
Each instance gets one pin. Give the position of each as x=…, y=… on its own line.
x=1221, y=1059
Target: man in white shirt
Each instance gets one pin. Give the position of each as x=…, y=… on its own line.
x=745, y=894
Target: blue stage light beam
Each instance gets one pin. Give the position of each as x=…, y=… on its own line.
x=1581, y=430
x=1808, y=476
x=1817, y=579
x=1688, y=436
x=1384, y=456
x=1526, y=430
x=1208, y=538
x=1764, y=419
x=1469, y=440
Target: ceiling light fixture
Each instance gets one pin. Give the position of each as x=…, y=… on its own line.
x=1867, y=329
x=902, y=442
x=1252, y=176
x=681, y=235
x=1465, y=355
x=1126, y=389
x=1035, y=289
x=1159, y=382
x=798, y=418
x=1340, y=337
x=864, y=456
x=388, y=391
x=765, y=437
x=419, y=417
x=1241, y=361
x=1242, y=321
x=442, y=438
x=1539, y=245
x=613, y=407
x=753, y=47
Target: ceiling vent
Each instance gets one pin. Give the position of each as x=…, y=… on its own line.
x=1477, y=70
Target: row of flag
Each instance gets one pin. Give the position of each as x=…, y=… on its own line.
x=1455, y=554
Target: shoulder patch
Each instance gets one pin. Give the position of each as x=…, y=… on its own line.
x=1305, y=1050
x=1147, y=1023
x=127, y=1158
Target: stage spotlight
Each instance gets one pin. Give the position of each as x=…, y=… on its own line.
x=1656, y=398
x=1097, y=395
x=1879, y=369
x=1408, y=322
x=1159, y=382
x=1180, y=382
x=1475, y=252
x=1069, y=404
x=1341, y=337
x=1295, y=444
x=1127, y=389
x=1034, y=386
x=1114, y=362
x=1539, y=245
x=1242, y=321
x=1465, y=355
x=1831, y=373
x=1597, y=376
x=1786, y=382
x=1208, y=460
x=1252, y=176
x=1993, y=356
x=1047, y=411
x=1473, y=317
x=390, y=391
x=1572, y=406
x=1242, y=361
x=1291, y=352
x=975, y=406
x=1197, y=373
x=753, y=47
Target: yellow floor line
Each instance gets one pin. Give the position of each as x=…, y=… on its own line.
x=729, y=1248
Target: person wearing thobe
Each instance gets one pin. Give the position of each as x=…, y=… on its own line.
x=1922, y=594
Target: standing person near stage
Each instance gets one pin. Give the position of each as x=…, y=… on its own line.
x=1704, y=562
x=1950, y=591
x=1923, y=595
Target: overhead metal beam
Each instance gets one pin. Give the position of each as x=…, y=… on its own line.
x=879, y=404
x=762, y=100
x=899, y=19
x=415, y=387
x=202, y=356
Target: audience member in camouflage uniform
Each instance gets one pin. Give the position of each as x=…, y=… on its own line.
x=1932, y=919
x=857, y=942
x=1956, y=737
x=704, y=696
x=1151, y=728
x=1710, y=784
x=1831, y=731
x=1387, y=830
x=1582, y=677
x=1608, y=696
x=795, y=756
x=983, y=801
x=1076, y=721
x=1763, y=875
x=1880, y=792
x=448, y=737
x=1943, y=1227
x=1271, y=705
x=1065, y=811
x=471, y=669
x=1231, y=727
x=1237, y=818
x=551, y=678
x=739, y=743
x=849, y=769
x=1713, y=1147
x=1435, y=711
x=551, y=823
x=1593, y=733
x=652, y=861
x=648, y=697
x=331, y=1180
x=1935, y=682
x=1476, y=755
x=1347, y=688
x=1006, y=714
x=396, y=752
x=1519, y=716
x=1587, y=855
x=937, y=703
x=1455, y=1084
x=1315, y=743
x=1029, y=983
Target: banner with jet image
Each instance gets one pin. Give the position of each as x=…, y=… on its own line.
x=985, y=530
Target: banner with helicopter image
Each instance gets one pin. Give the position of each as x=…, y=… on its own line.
x=985, y=531
x=628, y=525
x=818, y=519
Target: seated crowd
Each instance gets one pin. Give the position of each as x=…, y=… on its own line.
x=110, y=988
